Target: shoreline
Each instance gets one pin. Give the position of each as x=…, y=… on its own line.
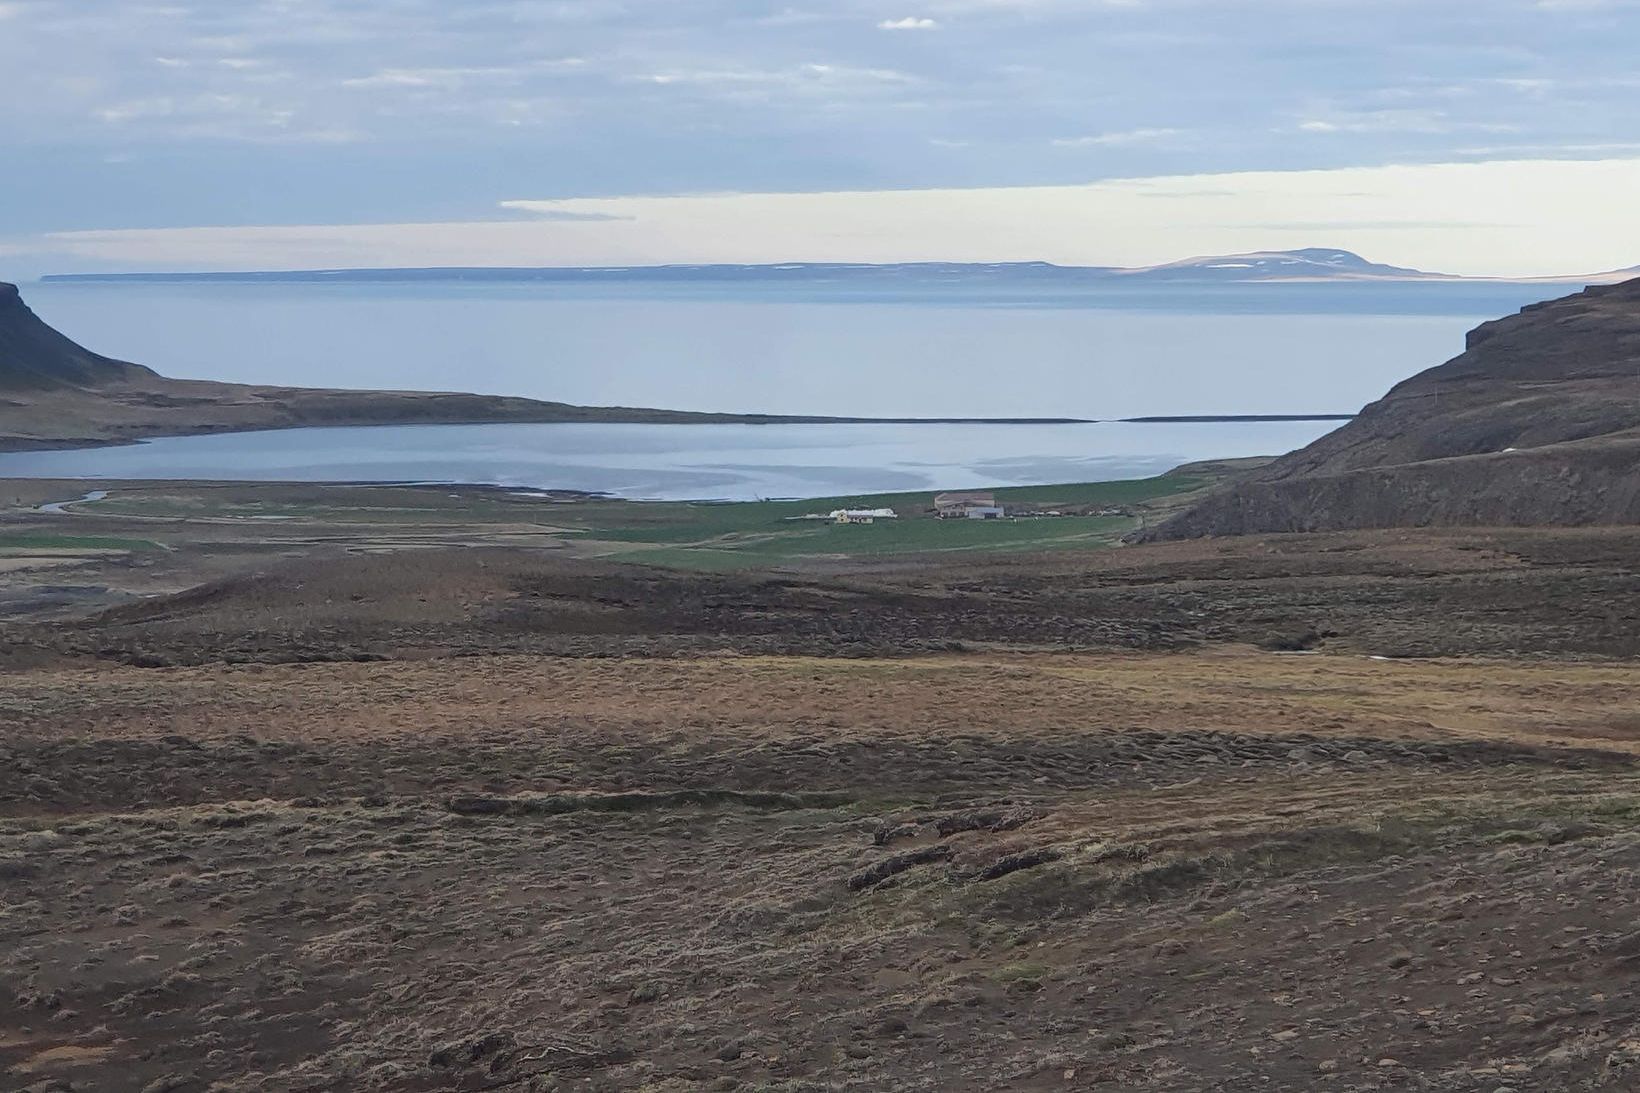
x=10, y=445
x=1215, y=469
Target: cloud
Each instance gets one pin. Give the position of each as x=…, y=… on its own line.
x=459, y=101
x=1334, y=226
x=1554, y=151
x=428, y=77
x=1036, y=7
x=1503, y=218
x=222, y=116
x=1129, y=136
x=1433, y=122
x=562, y=216
x=809, y=75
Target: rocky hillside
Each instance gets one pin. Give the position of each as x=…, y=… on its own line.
x=1536, y=423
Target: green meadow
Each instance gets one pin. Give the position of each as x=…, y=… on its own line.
x=695, y=534
x=734, y=535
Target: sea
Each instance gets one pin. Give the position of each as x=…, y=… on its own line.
x=1102, y=352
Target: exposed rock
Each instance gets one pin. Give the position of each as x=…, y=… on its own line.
x=890, y=832
x=170, y=1083
x=986, y=819
x=899, y=863
x=1027, y=859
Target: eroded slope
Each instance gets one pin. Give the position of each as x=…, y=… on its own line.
x=1537, y=423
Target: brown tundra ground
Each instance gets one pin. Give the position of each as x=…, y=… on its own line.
x=1336, y=813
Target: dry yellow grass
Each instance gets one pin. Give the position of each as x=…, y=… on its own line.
x=1012, y=695
x=1214, y=870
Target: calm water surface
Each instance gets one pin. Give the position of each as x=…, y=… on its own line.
x=804, y=349
x=681, y=462
x=924, y=351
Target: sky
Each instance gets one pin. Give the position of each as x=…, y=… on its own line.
x=1467, y=136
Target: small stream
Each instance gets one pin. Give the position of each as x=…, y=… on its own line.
x=62, y=506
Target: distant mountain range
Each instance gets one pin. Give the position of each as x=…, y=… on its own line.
x=1310, y=264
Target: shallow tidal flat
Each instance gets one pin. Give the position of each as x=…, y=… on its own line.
x=684, y=462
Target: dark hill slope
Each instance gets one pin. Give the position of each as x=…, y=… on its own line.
x=56, y=393
x=1537, y=423
x=35, y=357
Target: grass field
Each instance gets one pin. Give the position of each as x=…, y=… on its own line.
x=905, y=536
x=341, y=504
x=31, y=541
x=703, y=535
x=743, y=534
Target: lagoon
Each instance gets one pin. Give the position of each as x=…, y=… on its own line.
x=683, y=462
x=928, y=350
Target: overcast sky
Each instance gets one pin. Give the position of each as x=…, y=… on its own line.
x=1482, y=136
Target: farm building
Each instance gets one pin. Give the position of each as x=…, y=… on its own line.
x=969, y=505
x=862, y=516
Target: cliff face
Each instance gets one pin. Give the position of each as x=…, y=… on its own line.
x=33, y=356
x=1537, y=422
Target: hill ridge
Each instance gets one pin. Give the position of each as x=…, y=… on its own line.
x=1537, y=422
x=1305, y=263
x=1298, y=265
